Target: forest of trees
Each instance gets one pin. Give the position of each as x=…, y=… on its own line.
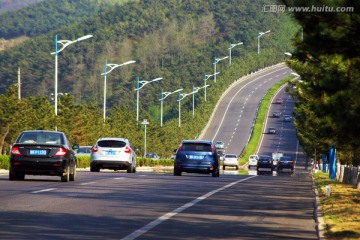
x=175, y=40
x=327, y=57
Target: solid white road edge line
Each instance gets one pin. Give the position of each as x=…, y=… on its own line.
x=169, y=215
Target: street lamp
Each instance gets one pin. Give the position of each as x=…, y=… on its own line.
x=112, y=67
x=64, y=43
x=206, y=77
x=216, y=60
x=145, y=122
x=138, y=87
x=259, y=36
x=162, y=97
x=181, y=97
x=231, y=46
x=195, y=90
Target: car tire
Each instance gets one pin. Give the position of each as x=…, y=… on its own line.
x=12, y=176
x=216, y=173
x=94, y=169
x=73, y=174
x=130, y=169
x=223, y=167
x=237, y=167
x=177, y=173
x=66, y=177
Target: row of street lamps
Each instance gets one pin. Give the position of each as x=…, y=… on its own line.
x=141, y=84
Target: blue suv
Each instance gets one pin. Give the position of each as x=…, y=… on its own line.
x=196, y=156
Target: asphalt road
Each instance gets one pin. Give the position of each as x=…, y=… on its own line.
x=235, y=114
x=117, y=205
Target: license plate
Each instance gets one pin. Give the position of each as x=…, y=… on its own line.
x=37, y=152
x=195, y=157
x=286, y=162
x=110, y=153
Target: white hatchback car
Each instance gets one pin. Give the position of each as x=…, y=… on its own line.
x=113, y=153
x=253, y=159
x=231, y=160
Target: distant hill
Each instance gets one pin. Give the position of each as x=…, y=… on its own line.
x=175, y=40
x=12, y=5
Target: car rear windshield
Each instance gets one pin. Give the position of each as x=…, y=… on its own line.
x=230, y=156
x=41, y=137
x=111, y=143
x=197, y=147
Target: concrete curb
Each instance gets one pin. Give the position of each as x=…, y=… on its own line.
x=319, y=220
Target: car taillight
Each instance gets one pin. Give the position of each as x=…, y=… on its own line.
x=15, y=151
x=180, y=148
x=94, y=149
x=212, y=148
x=127, y=149
x=61, y=152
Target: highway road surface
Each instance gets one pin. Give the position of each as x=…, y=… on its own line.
x=146, y=205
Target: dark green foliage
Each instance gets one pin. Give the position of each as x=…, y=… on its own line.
x=175, y=40
x=327, y=58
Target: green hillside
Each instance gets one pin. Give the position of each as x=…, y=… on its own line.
x=175, y=40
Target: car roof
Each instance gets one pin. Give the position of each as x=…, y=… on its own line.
x=196, y=141
x=113, y=138
x=41, y=131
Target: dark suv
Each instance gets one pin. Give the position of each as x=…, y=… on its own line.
x=196, y=156
x=41, y=152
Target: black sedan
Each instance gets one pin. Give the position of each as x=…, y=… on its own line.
x=40, y=152
x=264, y=161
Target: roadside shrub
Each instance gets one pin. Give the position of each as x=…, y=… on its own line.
x=4, y=162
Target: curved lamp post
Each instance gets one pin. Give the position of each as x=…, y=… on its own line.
x=216, y=60
x=164, y=95
x=112, y=67
x=181, y=97
x=206, y=77
x=259, y=36
x=140, y=85
x=195, y=90
x=232, y=46
x=64, y=44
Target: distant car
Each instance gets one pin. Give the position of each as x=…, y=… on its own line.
x=152, y=156
x=271, y=130
x=222, y=156
x=219, y=145
x=279, y=101
x=83, y=151
x=196, y=156
x=285, y=162
x=231, y=160
x=113, y=153
x=264, y=161
x=287, y=118
x=253, y=160
x=276, y=114
x=41, y=152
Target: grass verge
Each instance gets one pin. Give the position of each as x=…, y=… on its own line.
x=340, y=210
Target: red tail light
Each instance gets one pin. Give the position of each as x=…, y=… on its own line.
x=94, y=149
x=127, y=149
x=15, y=151
x=212, y=148
x=180, y=148
x=61, y=152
